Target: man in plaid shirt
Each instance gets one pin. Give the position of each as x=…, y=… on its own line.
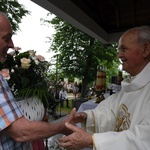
x=16, y=131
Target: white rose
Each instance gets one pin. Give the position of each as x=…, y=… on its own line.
x=25, y=63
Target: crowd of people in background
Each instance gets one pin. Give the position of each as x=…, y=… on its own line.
x=70, y=87
x=76, y=87
x=59, y=93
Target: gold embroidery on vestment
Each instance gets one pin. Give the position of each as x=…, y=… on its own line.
x=123, y=119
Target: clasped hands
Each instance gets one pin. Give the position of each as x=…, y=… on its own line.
x=76, y=137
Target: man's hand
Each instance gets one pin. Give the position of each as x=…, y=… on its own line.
x=77, y=140
x=73, y=118
x=80, y=117
x=76, y=117
x=69, y=119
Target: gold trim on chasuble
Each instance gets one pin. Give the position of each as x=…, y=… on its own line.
x=123, y=119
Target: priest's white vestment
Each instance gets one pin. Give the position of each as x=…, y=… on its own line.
x=122, y=121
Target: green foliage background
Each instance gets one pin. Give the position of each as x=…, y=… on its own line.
x=14, y=12
x=79, y=54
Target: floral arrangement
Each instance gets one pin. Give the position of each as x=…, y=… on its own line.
x=26, y=73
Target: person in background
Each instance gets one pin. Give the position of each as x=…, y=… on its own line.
x=113, y=87
x=69, y=87
x=16, y=131
x=122, y=121
x=63, y=96
x=75, y=89
x=119, y=79
x=79, y=89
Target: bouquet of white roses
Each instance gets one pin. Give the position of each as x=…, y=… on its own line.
x=26, y=73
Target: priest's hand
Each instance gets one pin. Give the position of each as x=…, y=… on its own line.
x=77, y=140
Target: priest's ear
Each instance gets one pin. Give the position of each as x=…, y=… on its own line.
x=146, y=50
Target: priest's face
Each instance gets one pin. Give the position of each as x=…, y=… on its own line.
x=131, y=53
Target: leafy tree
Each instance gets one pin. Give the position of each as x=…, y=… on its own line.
x=14, y=11
x=80, y=54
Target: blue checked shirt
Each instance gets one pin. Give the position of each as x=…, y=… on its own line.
x=9, y=112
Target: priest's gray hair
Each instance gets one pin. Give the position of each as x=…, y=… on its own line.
x=143, y=33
